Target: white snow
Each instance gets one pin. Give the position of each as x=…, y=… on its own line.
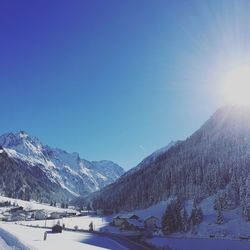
x=82, y=222
x=32, y=205
x=26, y=238
x=67, y=169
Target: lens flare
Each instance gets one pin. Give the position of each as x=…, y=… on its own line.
x=236, y=86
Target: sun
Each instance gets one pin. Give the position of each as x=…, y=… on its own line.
x=236, y=86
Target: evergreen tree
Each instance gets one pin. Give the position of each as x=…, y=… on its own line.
x=168, y=223
x=172, y=220
x=199, y=215
x=185, y=223
x=246, y=200
x=196, y=216
x=177, y=207
x=220, y=218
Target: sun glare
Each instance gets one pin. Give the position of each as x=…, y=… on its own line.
x=236, y=86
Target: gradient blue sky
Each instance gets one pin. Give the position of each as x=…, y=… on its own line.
x=116, y=79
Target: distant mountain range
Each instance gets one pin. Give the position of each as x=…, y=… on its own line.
x=30, y=169
x=215, y=159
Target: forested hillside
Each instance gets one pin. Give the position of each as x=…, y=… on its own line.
x=216, y=157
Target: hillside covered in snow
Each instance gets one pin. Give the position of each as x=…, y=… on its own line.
x=214, y=160
x=32, y=170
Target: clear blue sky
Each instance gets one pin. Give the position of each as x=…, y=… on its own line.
x=115, y=79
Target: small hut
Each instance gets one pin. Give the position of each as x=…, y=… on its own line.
x=57, y=229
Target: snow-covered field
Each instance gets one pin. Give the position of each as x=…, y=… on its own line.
x=28, y=238
x=226, y=236
x=82, y=222
x=32, y=205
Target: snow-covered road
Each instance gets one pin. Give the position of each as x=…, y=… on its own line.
x=198, y=244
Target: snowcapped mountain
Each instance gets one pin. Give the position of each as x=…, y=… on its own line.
x=216, y=158
x=66, y=170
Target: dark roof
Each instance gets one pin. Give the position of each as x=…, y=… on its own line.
x=135, y=223
x=57, y=229
x=127, y=216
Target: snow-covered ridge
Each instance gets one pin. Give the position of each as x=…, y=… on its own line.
x=152, y=157
x=76, y=175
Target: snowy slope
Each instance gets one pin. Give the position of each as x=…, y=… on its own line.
x=3, y=245
x=32, y=205
x=27, y=238
x=68, y=170
x=215, y=157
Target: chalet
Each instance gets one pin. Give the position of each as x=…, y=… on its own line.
x=57, y=229
x=119, y=219
x=68, y=214
x=15, y=209
x=7, y=216
x=5, y=203
x=40, y=215
x=2, y=217
x=30, y=214
x=133, y=225
x=55, y=215
x=152, y=223
x=18, y=217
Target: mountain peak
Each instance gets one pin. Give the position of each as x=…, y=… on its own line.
x=19, y=141
x=73, y=174
x=23, y=134
x=233, y=120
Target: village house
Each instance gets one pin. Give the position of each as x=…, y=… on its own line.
x=40, y=215
x=17, y=216
x=30, y=214
x=2, y=217
x=5, y=204
x=57, y=229
x=132, y=225
x=15, y=209
x=152, y=223
x=55, y=215
x=119, y=219
x=68, y=214
x=7, y=216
